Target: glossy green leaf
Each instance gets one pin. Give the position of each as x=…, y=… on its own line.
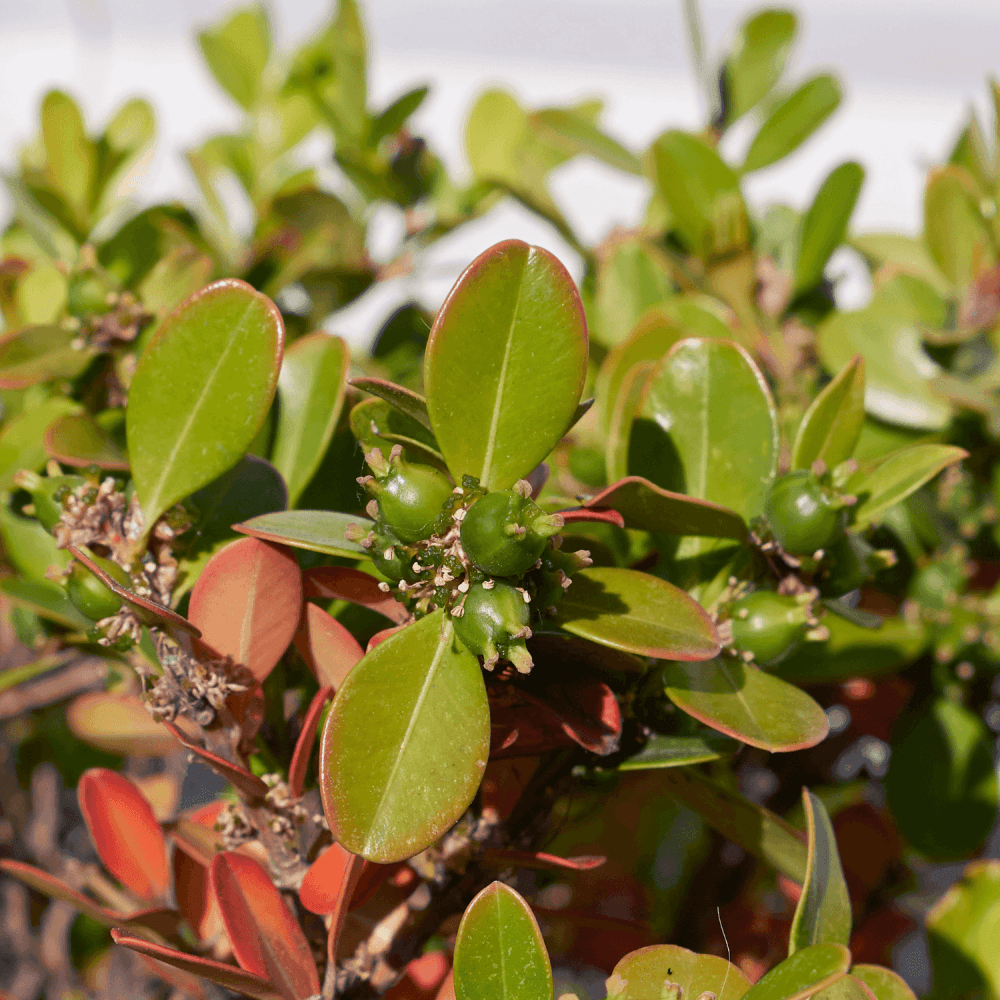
x=201, y=391
x=757, y=60
x=21, y=444
x=315, y=530
x=825, y=223
x=394, y=117
x=756, y=829
x=823, y=913
x=845, y=988
x=941, y=785
x=652, y=971
x=499, y=951
x=46, y=599
x=174, y=277
x=29, y=547
x=955, y=232
x=237, y=52
x=702, y=192
x=884, y=983
x=897, y=477
x=636, y=613
x=405, y=744
x=792, y=121
x=311, y=392
x=832, y=425
x=632, y=276
x=377, y=424
x=619, y=432
x=70, y=156
x=646, y=507
x=411, y=404
x=505, y=364
x=77, y=439
x=37, y=353
x=800, y=975
x=679, y=751
x=962, y=931
x=713, y=424
x=743, y=701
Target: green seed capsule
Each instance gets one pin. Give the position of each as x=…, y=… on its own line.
x=47, y=493
x=503, y=533
x=768, y=625
x=848, y=563
x=410, y=496
x=88, y=294
x=800, y=515
x=494, y=624
x=89, y=595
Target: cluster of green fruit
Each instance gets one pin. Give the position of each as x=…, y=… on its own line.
x=486, y=557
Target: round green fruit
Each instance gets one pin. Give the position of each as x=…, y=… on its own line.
x=801, y=518
x=47, y=493
x=847, y=564
x=410, y=496
x=494, y=623
x=89, y=595
x=504, y=533
x=88, y=294
x=768, y=625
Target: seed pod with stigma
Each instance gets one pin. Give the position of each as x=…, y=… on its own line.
x=47, y=493
x=766, y=626
x=410, y=496
x=504, y=532
x=493, y=623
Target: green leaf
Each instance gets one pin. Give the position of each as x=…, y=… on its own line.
x=411, y=404
x=619, y=432
x=702, y=192
x=21, y=444
x=906, y=254
x=568, y=129
x=70, y=155
x=311, y=392
x=832, y=425
x=941, y=785
x=77, y=439
x=884, y=983
x=237, y=51
x=405, y=744
x=757, y=60
x=632, y=276
x=679, y=751
x=792, y=121
x=714, y=425
x=897, y=477
x=955, y=232
x=825, y=223
x=315, y=530
x=46, y=599
x=37, y=353
x=377, y=424
x=743, y=701
x=505, y=364
x=650, y=972
x=29, y=547
x=201, y=391
x=800, y=975
x=646, y=507
x=636, y=613
x=751, y=826
x=823, y=913
x=499, y=951
x=962, y=931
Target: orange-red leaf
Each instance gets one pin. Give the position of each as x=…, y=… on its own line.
x=539, y=859
x=119, y=723
x=307, y=737
x=125, y=832
x=423, y=978
x=247, y=603
x=238, y=777
x=326, y=646
x=267, y=940
x=344, y=583
x=193, y=894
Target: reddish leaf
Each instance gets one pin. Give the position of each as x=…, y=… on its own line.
x=119, y=723
x=195, y=834
x=523, y=731
x=125, y=832
x=586, y=711
x=604, y=515
x=541, y=860
x=422, y=978
x=186, y=982
x=382, y=636
x=307, y=737
x=193, y=894
x=239, y=777
x=323, y=888
x=227, y=976
x=267, y=940
x=344, y=583
x=326, y=646
x=247, y=602
x=503, y=785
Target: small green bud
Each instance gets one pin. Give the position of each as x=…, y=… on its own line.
x=768, y=626
x=493, y=623
x=801, y=516
x=410, y=497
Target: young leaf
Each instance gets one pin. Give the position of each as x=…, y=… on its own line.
x=575, y=133
x=679, y=751
x=825, y=223
x=897, y=476
x=745, y=702
x=411, y=404
x=832, y=425
x=651, y=972
x=126, y=834
x=21, y=444
x=801, y=975
x=201, y=391
x=237, y=52
x=311, y=392
x=757, y=61
x=406, y=742
x=315, y=530
x=37, y=353
x=883, y=983
x=792, y=121
x=328, y=648
x=378, y=424
x=954, y=229
x=248, y=602
x=505, y=364
x=499, y=951
x=636, y=613
x=267, y=939
x=79, y=440
x=307, y=737
x=715, y=425
x=70, y=155
x=823, y=913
